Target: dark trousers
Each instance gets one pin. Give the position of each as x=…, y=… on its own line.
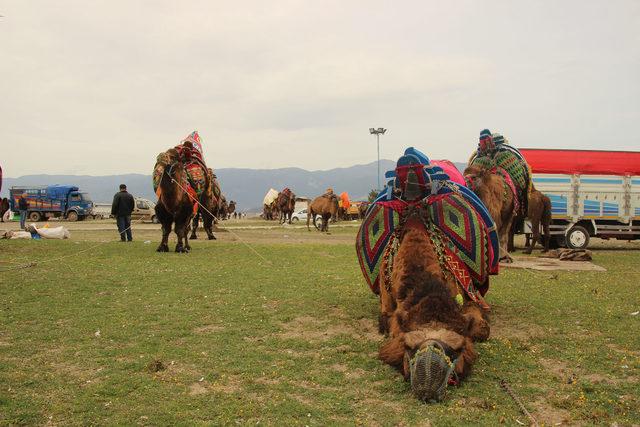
x=23, y=219
x=124, y=226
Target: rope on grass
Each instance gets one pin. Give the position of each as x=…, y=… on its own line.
x=506, y=387
x=35, y=263
x=216, y=218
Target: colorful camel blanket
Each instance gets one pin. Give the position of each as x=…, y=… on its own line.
x=509, y=159
x=458, y=223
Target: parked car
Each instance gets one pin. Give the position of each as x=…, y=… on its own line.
x=144, y=209
x=302, y=215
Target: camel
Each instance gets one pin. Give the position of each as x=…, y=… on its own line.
x=208, y=208
x=539, y=213
x=174, y=203
x=326, y=206
x=499, y=198
x=4, y=207
x=362, y=209
x=286, y=203
x=432, y=324
x=232, y=209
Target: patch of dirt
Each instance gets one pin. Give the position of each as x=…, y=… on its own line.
x=267, y=381
x=208, y=329
x=514, y=329
x=339, y=368
x=197, y=388
x=308, y=385
x=231, y=386
x=303, y=400
x=547, y=414
x=571, y=376
x=313, y=330
x=623, y=350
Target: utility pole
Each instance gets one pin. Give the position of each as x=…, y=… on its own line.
x=377, y=133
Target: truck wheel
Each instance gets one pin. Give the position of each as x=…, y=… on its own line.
x=577, y=238
x=72, y=216
x=35, y=216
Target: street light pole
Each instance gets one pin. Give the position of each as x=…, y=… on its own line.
x=377, y=132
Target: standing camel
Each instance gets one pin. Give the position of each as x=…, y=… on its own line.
x=208, y=207
x=232, y=208
x=326, y=206
x=286, y=203
x=174, y=203
x=539, y=213
x=499, y=198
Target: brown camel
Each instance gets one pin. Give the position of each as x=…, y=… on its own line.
x=232, y=208
x=362, y=209
x=4, y=207
x=499, y=199
x=420, y=312
x=539, y=213
x=208, y=208
x=174, y=203
x=326, y=206
x=286, y=203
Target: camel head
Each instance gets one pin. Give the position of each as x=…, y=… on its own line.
x=432, y=348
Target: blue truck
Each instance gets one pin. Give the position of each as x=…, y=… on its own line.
x=52, y=201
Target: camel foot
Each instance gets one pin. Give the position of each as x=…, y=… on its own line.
x=212, y=237
x=193, y=237
x=180, y=249
x=527, y=251
x=163, y=248
x=187, y=249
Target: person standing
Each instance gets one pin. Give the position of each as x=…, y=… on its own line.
x=23, y=205
x=121, y=208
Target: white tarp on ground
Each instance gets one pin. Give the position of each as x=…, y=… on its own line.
x=50, y=233
x=270, y=196
x=54, y=233
x=17, y=234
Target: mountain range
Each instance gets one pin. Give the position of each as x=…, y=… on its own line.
x=246, y=186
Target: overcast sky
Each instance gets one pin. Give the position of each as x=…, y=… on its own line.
x=101, y=87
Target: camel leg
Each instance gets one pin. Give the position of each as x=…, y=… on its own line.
x=504, y=238
x=535, y=229
x=196, y=222
x=477, y=325
x=207, y=221
x=166, y=230
x=187, y=246
x=181, y=234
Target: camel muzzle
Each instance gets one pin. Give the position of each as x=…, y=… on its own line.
x=430, y=372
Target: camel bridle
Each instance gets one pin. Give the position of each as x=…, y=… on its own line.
x=432, y=370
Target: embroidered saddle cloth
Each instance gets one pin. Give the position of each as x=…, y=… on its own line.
x=510, y=160
x=459, y=225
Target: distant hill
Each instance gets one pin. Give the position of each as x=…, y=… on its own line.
x=246, y=186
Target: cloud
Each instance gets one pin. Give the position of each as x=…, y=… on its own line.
x=270, y=84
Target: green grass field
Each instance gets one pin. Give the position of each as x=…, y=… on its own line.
x=120, y=334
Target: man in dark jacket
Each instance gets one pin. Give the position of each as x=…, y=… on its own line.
x=121, y=208
x=23, y=205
